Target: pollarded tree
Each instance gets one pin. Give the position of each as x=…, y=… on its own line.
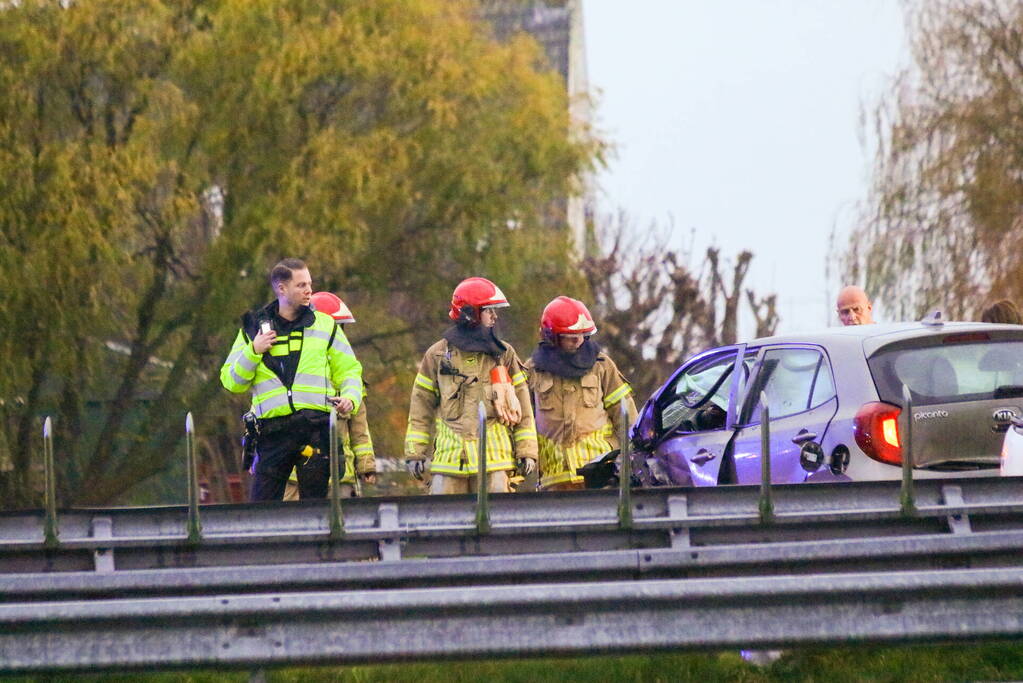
x=655, y=306
x=944, y=215
x=158, y=157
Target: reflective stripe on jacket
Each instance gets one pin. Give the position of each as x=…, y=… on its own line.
x=359, y=455
x=326, y=366
x=577, y=418
x=443, y=413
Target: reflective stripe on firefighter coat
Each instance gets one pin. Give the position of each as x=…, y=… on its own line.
x=577, y=418
x=443, y=414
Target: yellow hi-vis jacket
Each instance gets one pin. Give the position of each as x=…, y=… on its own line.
x=444, y=412
x=577, y=418
x=326, y=367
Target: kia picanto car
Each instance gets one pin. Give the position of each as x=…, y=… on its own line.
x=836, y=408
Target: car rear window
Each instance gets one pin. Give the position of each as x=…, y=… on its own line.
x=950, y=369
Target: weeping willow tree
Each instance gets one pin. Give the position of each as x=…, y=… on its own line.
x=943, y=220
x=158, y=157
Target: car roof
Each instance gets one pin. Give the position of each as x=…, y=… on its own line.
x=872, y=337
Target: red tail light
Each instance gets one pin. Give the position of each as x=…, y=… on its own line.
x=876, y=426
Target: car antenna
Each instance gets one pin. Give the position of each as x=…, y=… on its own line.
x=933, y=318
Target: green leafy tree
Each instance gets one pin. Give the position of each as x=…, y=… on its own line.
x=944, y=215
x=159, y=157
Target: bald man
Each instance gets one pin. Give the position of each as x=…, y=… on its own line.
x=853, y=307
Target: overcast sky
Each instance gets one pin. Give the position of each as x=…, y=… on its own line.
x=739, y=119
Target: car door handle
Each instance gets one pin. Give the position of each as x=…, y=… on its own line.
x=703, y=456
x=803, y=436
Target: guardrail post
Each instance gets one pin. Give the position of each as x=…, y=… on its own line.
x=906, y=498
x=482, y=477
x=766, y=504
x=51, y=529
x=194, y=525
x=625, y=471
x=337, y=524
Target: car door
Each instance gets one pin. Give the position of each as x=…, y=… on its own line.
x=800, y=389
x=692, y=417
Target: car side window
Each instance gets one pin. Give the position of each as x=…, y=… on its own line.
x=823, y=384
x=794, y=380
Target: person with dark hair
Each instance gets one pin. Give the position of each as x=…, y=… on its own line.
x=470, y=364
x=298, y=366
x=1002, y=311
x=578, y=392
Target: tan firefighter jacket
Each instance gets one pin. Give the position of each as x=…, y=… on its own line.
x=358, y=445
x=570, y=408
x=443, y=412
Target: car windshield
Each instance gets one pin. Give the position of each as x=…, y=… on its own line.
x=697, y=400
x=702, y=390
x=950, y=372
x=694, y=386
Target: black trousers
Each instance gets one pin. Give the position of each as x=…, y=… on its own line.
x=280, y=448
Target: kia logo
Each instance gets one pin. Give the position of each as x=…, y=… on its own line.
x=1004, y=415
x=1002, y=418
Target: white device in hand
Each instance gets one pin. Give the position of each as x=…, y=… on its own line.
x=265, y=327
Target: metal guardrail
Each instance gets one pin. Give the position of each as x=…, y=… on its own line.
x=383, y=579
x=109, y=540
x=982, y=550
x=567, y=618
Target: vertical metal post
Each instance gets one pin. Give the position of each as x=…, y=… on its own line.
x=907, y=499
x=624, y=470
x=482, y=477
x=766, y=504
x=337, y=524
x=51, y=529
x=194, y=525
x=357, y=484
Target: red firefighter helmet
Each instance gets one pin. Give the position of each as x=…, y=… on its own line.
x=331, y=304
x=565, y=315
x=478, y=293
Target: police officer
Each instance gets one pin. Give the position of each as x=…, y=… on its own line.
x=298, y=366
x=469, y=364
x=578, y=392
x=353, y=432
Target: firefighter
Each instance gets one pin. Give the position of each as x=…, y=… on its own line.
x=469, y=364
x=298, y=365
x=578, y=392
x=353, y=432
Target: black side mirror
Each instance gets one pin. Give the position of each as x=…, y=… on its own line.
x=601, y=472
